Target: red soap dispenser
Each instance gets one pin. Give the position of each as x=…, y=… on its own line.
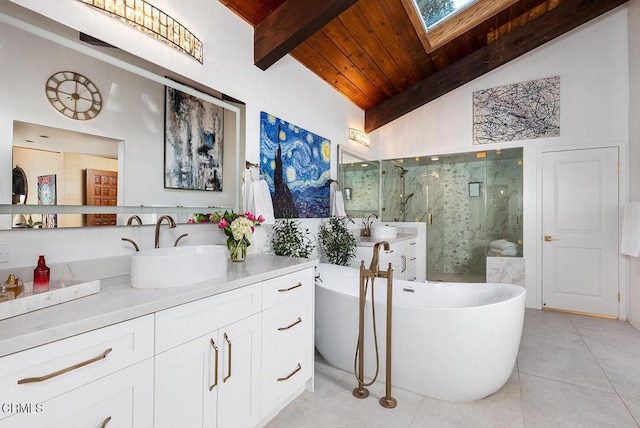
x=41, y=276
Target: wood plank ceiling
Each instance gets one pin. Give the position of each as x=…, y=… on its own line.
x=377, y=54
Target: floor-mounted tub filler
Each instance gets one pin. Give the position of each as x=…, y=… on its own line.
x=451, y=341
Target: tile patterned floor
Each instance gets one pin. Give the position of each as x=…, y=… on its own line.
x=572, y=371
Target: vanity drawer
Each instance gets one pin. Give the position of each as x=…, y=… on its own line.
x=123, y=399
x=38, y=374
x=286, y=287
x=183, y=323
x=286, y=324
x=284, y=373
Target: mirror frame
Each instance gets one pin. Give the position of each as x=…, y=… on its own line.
x=141, y=72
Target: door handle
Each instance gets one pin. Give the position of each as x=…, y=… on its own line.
x=549, y=238
x=430, y=219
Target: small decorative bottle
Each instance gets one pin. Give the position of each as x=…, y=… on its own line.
x=41, y=276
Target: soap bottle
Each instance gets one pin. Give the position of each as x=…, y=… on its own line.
x=41, y=276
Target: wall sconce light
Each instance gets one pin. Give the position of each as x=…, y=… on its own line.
x=359, y=137
x=150, y=20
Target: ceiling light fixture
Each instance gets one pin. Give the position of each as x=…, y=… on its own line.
x=152, y=21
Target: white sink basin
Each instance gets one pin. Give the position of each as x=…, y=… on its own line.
x=383, y=232
x=176, y=266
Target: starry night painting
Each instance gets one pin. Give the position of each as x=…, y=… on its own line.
x=193, y=142
x=296, y=164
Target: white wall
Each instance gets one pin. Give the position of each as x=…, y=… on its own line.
x=287, y=90
x=592, y=62
x=634, y=148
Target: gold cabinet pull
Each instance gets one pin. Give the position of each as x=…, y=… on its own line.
x=298, y=321
x=284, y=290
x=549, y=238
x=430, y=219
x=282, y=379
x=68, y=369
x=105, y=422
x=215, y=376
x=229, y=361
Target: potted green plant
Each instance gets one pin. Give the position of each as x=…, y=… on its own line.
x=290, y=239
x=338, y=244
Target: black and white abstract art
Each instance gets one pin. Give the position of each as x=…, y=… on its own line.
x=522, y=111
x=193, y=146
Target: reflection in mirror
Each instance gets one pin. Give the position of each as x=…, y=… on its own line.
x=359, y=180
x=20, y=186
x=82, y=165
x=131, y=122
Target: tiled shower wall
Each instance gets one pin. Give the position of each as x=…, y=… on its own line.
x=462, y=225
x=363, y=184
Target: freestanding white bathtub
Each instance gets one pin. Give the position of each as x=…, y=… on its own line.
x=451, y=341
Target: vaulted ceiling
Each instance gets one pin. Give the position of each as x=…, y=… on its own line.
x=378, y=54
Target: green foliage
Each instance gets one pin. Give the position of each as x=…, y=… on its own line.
x=338, y=244
x=290, y=239
x=433, y=11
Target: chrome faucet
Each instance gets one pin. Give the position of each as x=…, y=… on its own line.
x=171, y=223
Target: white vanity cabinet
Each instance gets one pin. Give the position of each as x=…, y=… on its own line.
x=410, y=259
x=393, y=255
x=207, y=371
x=403, y=254
x=227, y=358
x=287, y=339
x=85, y=380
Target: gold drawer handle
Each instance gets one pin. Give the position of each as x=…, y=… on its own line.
x=63, y=371
x=298, y=321
x=284, y=290
x=105, y=422
x=226, y=378
x=215, y=376
x=282, y=379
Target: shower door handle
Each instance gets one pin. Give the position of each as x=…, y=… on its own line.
x=430, y=220
x=549, y=238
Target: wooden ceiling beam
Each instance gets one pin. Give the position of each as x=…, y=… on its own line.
x=291, y=24
x=548, y=26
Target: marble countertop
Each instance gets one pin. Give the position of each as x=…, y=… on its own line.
x=367, y=241
x=117, y=302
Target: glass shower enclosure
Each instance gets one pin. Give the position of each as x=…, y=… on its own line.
x=468, y=201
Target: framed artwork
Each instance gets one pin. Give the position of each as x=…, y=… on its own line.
x=297, y=165
x=48, y=195
x=47, y=189
x=522, y=111
x=193, y=142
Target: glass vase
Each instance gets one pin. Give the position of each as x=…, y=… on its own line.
x=237, y=250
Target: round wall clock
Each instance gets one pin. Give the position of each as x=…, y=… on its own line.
x=73, y=95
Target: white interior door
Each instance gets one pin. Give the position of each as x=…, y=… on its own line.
x=580, y=230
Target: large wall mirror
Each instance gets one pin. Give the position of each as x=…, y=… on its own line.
x=359, y=179
x=127, y=137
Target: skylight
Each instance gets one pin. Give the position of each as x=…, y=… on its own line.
x=433, y=12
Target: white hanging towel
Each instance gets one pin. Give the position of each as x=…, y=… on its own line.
x=251, y=176
x=336, y=201
x=630, y=242
x=263, y=205
x=258, y=197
